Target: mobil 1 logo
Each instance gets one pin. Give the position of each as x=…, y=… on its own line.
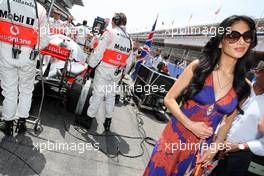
x=16, y=17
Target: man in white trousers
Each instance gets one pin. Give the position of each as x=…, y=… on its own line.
x=23, y=30
x=111, y=54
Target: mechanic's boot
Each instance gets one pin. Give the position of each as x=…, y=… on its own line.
x=84, y=121
x=7, y=127
x=21, y=127
x=107, y=124
x=117, y=99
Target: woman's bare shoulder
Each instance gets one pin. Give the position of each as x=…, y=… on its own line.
x=193, y=64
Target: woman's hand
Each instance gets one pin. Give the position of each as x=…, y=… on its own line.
x=207, y=157
x=200, y=129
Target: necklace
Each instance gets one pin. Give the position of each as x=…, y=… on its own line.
x=219, y=83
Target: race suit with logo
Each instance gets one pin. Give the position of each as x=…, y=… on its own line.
x=111, y=54
x=20, y=24
x=56, y=26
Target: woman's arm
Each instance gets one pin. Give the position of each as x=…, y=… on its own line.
x=224, y=128
x=200, y=129
x=218, y=144
x=227, y=122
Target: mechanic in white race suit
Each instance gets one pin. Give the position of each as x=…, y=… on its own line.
x=21, y=22
x=111, y=54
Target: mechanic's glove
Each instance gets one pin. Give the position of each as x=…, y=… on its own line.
x=90, y=69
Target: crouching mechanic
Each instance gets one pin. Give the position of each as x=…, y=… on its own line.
x=111, y=54
x=20, y=25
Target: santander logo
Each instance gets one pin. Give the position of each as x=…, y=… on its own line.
x=58, y=50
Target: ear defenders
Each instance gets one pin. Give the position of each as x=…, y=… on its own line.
x=117, y=19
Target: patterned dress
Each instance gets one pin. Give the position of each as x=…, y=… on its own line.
x=175, y=151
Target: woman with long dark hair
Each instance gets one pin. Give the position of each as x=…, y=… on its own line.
x=212, y=88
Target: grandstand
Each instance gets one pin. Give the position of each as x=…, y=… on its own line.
x=186, y=43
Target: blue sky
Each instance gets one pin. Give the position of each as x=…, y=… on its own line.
x=141, y=14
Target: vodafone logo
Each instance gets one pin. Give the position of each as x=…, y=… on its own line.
x=14, y=30
x=119, y=57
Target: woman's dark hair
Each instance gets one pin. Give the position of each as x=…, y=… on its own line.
x=210, y=58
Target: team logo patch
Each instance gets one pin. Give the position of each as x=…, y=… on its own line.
x=14, y=30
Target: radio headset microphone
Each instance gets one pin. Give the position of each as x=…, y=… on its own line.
x=16, y=50
x=34, y=53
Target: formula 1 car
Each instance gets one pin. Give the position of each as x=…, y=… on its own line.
x=65, y=74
